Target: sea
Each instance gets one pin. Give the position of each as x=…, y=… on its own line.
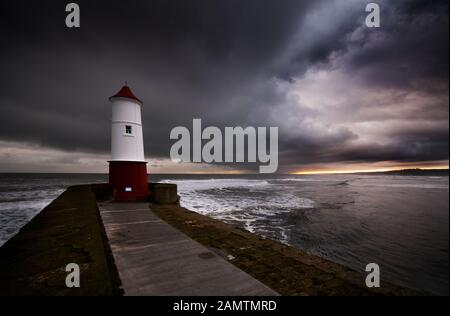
x=400, y=223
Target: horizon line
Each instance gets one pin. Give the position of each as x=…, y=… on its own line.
x=318, y=172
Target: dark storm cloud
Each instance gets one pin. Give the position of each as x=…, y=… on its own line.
x=410, y=50
x=223, y=61
x=184, y=59
x=408, y=55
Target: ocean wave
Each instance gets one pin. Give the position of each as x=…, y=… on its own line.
x=252, y=204
x=29, y=195
x=301, y=180
x=14, y=215
x=216, y=183
x=23, y=196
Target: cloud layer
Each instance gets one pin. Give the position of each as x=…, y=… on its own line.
x=340, y=92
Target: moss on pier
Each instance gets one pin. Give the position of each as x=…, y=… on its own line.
x=68, y=230
x=284, y=269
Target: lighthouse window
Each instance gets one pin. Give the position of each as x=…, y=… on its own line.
x=128, y=129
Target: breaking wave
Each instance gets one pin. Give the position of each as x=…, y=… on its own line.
x=252, y=204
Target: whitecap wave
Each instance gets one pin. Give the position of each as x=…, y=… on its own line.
x=249, y=203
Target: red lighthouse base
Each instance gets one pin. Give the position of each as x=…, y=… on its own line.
x=128, y=180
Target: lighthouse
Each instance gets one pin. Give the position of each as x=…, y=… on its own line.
x=127, y=167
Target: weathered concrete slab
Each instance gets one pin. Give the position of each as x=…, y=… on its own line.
x=153, y=258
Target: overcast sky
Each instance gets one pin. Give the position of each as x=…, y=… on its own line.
x=345, y=97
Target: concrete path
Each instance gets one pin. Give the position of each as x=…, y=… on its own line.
x=153, y=258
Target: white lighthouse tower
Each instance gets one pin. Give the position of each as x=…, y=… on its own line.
x=127, y=167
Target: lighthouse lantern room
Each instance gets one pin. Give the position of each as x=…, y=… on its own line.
x=127, y=167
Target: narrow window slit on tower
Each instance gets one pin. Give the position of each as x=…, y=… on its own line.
x=128, y=129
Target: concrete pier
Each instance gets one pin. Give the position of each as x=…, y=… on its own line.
x=153, y=258
x=134, y=249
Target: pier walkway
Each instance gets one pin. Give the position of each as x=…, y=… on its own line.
x=154, y=258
